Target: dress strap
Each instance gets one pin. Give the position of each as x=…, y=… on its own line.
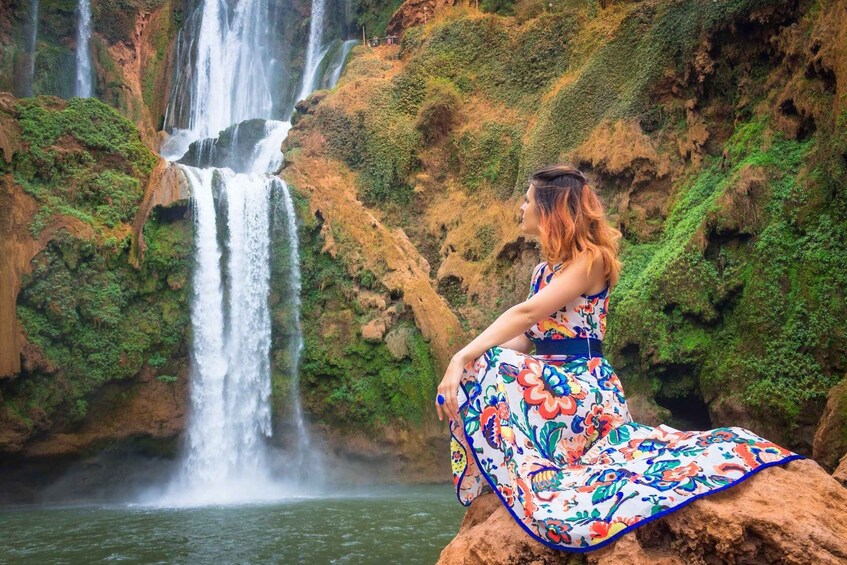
x=536, y=284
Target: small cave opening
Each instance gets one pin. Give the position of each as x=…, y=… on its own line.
x=510, y=252
x=688, y=412
x=450, y=287
x=680, y=394
x=173, y=213
x=732, y=240
x=805, y=124
x=827, y=76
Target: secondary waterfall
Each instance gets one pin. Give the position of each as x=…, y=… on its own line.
x=238, y=211
x=83, y=52
x=31, y=44
x=314, y=51
x=338, y=64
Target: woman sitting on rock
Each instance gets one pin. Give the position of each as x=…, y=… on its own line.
x=551, y=433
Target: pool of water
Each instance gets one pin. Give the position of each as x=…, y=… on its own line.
x=410, y=524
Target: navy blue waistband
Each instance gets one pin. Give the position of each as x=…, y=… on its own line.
x=578, y=346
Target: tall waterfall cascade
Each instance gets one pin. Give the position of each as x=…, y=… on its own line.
x=315, y=51
x=84, y=87
x=26, y=89
x=237, y=215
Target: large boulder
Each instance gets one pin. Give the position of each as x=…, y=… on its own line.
x=840, y=473
x=794, y=513
x=830, y=443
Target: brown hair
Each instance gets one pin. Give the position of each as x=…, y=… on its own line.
x=572, y=220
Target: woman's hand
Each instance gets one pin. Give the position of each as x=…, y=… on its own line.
x=449, y=389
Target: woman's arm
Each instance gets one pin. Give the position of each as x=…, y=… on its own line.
x=519, y=343
x=568, y=283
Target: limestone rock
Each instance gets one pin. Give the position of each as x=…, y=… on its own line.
x=373, y=330
x=840, y=473
x=165, y=187
x=415, y=12
x=645, y=410
x=370, y=299
x=830, y=437
x=397, y=341
x=794, y=513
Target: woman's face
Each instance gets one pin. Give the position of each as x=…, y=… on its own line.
x=529, y=220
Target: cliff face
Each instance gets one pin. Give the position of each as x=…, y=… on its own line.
x=93, y=348
x=130, y=52
x=714, y=134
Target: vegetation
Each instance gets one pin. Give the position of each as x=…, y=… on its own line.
x=347, y=381
x=92, y=317
x=751, y=313
x=82, y=160
x=735, y=294
x=96, y=319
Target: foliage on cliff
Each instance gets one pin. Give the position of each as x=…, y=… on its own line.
x=714, y=132
x=129, y=50
x=89, y=317
x=82, y=160
x=349, y=378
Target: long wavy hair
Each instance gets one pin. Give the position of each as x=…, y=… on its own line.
x=572, y=220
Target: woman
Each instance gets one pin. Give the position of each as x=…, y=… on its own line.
x=551, y=433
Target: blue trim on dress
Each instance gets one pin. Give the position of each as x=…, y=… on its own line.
x=613, y=538
x=467, y=462
x=593, y=296
x=628, y=529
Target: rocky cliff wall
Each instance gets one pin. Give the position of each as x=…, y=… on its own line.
x=712, y=133
x=94, y=348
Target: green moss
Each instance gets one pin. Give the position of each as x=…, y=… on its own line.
x=488, y=158
x=439, y=111
x=54, y=73
x=96, y=319
x=82, y=159
x=345, y=380
x=379, y=145
x=447, y=62
x=617, y=80
x=757, y=317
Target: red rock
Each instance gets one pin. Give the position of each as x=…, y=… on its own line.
x=830, y=437
x=840, y=473
x=794, y=513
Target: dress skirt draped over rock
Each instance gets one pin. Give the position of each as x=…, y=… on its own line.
x=553, y=437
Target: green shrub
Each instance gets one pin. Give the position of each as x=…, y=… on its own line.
x=439, y=111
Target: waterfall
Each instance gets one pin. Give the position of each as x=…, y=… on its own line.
x=231, y=320
x=240, y=211
x=83, y=53
x=27, y=88
x=229, y=82
x=337, y=64
x=314, y=52
x=306, y=459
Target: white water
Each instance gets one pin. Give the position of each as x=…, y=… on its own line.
x=314, y=52
x=31, y=47
x=227, y=454
x=231, y=82
x=306, y=458
x=230, y=364
x=83, y=52
x=339, y=63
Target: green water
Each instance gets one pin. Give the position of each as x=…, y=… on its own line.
x=397, y=525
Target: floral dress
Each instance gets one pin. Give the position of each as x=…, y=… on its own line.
x=553, y=437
